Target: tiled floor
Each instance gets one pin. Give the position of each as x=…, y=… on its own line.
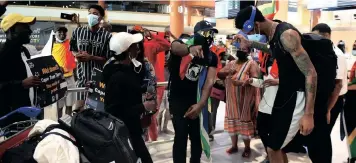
x=162, y=153
x=222, y=142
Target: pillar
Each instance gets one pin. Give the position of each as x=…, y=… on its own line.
x=315, y=15
x=103, y=5
x=189, y=15
x=282, y=13
x=176, y=18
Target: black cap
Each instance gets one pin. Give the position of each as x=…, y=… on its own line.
x=63, y=29
x=204, y=26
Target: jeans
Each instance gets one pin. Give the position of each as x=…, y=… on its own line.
x=214, y=111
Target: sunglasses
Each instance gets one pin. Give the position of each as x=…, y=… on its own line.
x=207, y=33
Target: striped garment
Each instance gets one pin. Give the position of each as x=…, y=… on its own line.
x=241, y=101
x=94, y=43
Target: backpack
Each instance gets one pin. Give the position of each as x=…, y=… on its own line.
x=322, y=55
x=24, y=152
x=102, y=137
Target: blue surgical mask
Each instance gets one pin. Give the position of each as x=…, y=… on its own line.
x=93, y=20
x=257, y=38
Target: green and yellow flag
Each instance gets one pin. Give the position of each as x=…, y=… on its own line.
x=269, y=8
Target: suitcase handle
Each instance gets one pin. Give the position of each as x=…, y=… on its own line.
x=30, y=112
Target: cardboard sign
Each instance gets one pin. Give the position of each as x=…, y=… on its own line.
x=53, y=86
x=95, y=99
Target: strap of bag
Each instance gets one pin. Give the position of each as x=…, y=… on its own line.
x=61, y=135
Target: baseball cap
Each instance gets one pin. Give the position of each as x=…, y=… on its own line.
x=10, y=20
x=204, y=26
x=121, y=41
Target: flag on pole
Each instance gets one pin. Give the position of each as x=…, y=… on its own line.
x=268, y=8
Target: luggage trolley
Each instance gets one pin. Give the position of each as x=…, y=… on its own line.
x=14, y=134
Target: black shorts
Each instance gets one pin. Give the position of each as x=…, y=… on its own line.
x=287, y=111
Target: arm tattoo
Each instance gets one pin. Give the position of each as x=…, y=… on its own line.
x=261, y=46
x=291, y=42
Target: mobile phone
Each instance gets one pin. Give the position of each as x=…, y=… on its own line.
x=67, y=16
x=230, y=37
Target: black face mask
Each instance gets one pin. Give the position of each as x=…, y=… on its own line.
x=241, y=55
x=21, y=37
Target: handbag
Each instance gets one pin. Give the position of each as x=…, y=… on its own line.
x=218, y=94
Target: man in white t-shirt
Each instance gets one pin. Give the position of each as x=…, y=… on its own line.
x=270, y=84
x=336, y=100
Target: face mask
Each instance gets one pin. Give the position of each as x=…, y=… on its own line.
x=257, y=38
x=22, y=37
x=136, y=63
x=93, y=20
x=60, y=41
x=241, y=55
x=354, y=52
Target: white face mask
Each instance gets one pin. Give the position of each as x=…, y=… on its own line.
x=136, y=63
x=93, y=20
x=354, y=52
x=60, y=41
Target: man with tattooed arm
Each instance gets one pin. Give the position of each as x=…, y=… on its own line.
x=293, y=109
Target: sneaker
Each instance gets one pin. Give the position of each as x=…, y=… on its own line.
x=211, y=138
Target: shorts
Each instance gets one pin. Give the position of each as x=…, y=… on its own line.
x=287, y=111
x=70, y=98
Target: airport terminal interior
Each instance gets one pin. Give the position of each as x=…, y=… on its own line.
x=173, y=20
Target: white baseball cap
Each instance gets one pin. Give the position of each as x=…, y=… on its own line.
x=121, y=41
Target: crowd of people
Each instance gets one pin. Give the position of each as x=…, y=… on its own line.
x=282, y=97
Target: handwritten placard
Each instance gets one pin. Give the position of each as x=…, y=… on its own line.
x=53, y=85
x=95, y=99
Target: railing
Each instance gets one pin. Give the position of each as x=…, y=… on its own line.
x=83, y=89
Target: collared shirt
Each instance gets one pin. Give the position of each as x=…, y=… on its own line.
x=94, y=43
x=341, y=73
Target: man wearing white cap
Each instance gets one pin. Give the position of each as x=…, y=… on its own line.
x=16, y=80
x=123, y=77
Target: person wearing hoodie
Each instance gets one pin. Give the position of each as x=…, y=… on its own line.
x=123, y=93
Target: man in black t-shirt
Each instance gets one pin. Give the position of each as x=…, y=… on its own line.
x=184, y=107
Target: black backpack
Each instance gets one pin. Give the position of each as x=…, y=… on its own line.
x=323, y=57
x=102, y=137
x=24, y=152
